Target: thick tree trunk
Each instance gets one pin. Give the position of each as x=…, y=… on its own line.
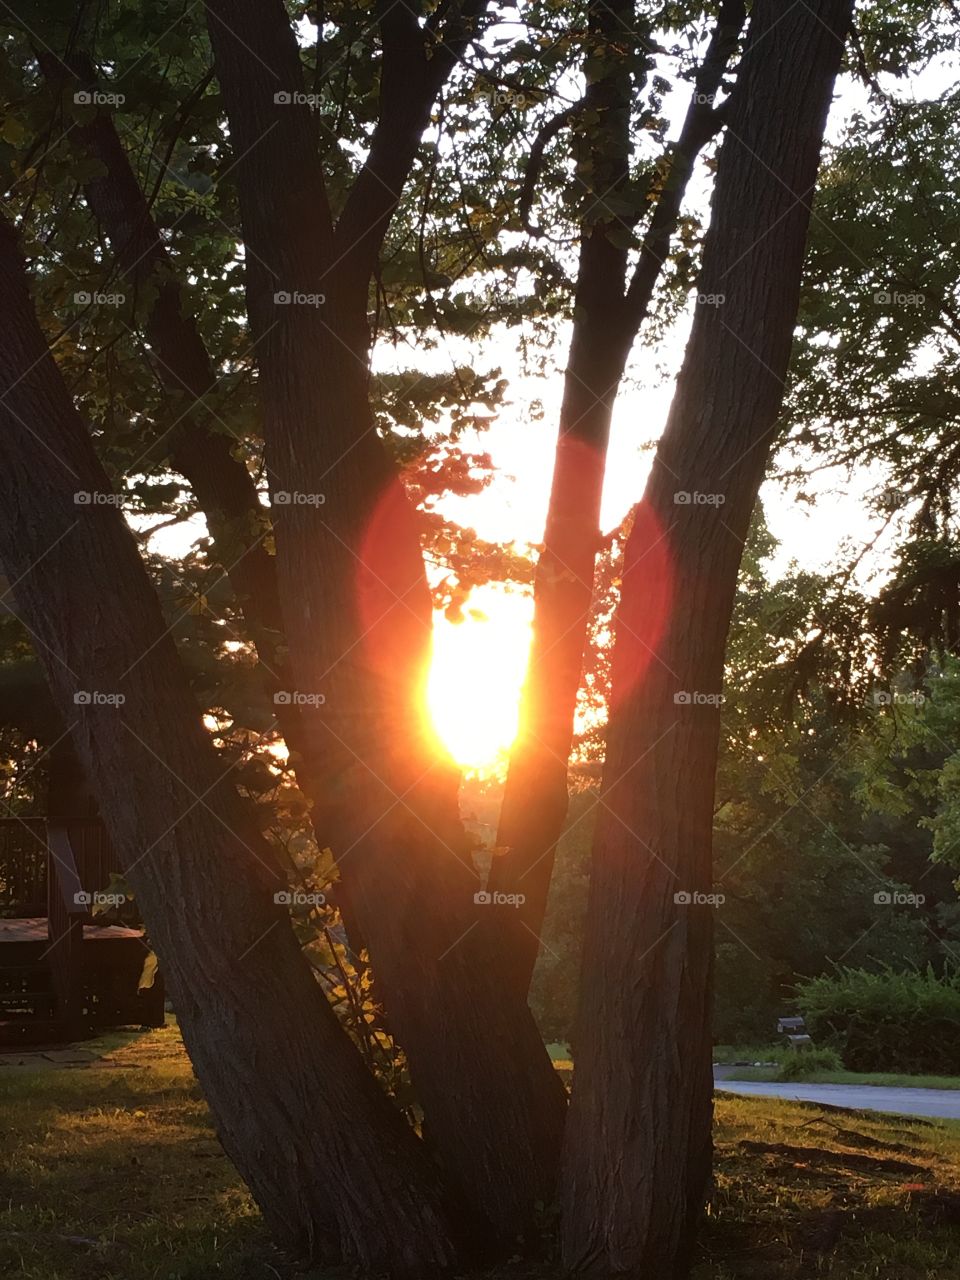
x=223, y=487
x=535, y=797
x=637, y=1157
x=606, y=322
x=334, y=1168
x=358, y=620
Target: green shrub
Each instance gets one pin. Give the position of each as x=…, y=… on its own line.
x=800, y=1064
x=886, y=1021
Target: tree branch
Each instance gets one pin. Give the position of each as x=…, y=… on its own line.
x=416, y=63
x=283, y=200
x=223, y=486
x=534, y=165
x=700, y=124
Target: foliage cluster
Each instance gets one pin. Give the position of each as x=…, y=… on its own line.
x=888, y=1020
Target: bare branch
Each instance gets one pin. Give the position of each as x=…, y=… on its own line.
x=535, y=162
x=700, y=124
x=416, y=63
x=283, y=199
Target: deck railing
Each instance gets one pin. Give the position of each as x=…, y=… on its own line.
x=24, y=872
x=23, y=867
x=53, y=868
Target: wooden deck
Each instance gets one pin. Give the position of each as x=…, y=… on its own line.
x=34, y=929
x=55, y=986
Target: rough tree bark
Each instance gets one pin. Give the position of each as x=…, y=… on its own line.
x=357, y=611
x=637, y=1155
x=333, y=1166
x=608, y=313
x=223, y=487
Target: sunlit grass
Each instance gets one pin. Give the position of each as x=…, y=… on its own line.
x=112, y=1172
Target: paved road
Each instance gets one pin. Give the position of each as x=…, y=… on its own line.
x=939, y=1104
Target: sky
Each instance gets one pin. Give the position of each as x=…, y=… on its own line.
x=514, y=507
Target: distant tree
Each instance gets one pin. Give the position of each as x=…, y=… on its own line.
x=874, y=373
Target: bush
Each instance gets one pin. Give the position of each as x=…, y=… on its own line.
x=887, y=1021
x=800, y=1064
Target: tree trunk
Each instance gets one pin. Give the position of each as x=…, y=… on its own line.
x=358, y=617
x=333, y=1166
x=535, y=797
x=637, y=1157
x=223, y=487
x=606, y=322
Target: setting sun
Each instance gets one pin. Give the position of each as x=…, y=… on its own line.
x=477, y=671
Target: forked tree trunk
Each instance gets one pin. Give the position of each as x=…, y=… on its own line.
x=637, y=1156
x=333, y=1166
x=224, y=489
x=607, y=318
x=358, y=615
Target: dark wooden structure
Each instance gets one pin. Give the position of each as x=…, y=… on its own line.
x=64, y=974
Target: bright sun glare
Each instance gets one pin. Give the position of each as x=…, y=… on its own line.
x=477, y=671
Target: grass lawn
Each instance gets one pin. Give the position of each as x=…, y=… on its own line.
x=774, y=1056
x=112, y=1172
x=890, y=1080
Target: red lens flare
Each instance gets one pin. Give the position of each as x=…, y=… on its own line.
x=645, y=600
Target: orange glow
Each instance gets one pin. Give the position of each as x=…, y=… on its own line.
x=476, y=675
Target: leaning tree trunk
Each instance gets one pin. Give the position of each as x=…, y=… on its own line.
x=606, y=322
x=637, y=1158
x=224, y=489
x=226, y=493
x=358, y=614
x=333, y=1166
